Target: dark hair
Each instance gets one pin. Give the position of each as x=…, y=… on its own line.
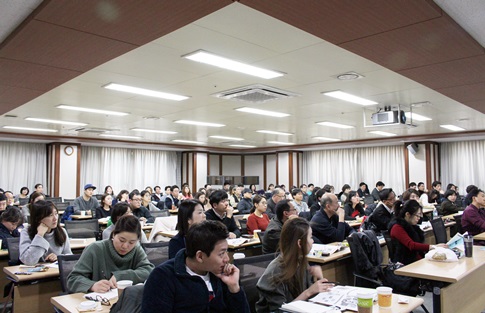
x=127, y=223
x=204, y=236
x=34, y=195
x=407, y=194
x=473, y=193
x=270, y=185
x=328, y=188
x=256, y=200
x=12, y=215
x=345, y=187
x=174, y=187
x=251, y=187
x=410, y=206
x=469, y=188
x=40, y=210
x=385, y=193
x=135, y=192
x=436, y=183
x=197, y=196
x=449, y=192
x=119, y=210
x=143, y=193
x=302, y=186
x=281, y=207
x=450, y=185
x=296, y=191
x=352, y=193
x=106, y=190
x=168, y=187
x=379, y=183
x=217, y=196
x=124, y=191
x=37, y=185
x=363, y=184
x=185, y=211
x=226, y=183
x=24, y=188
x=431, y=193
x=412, y=184
x=311, y=185
x=3, y=197
x=319, y=192
x=420, y=184
x=103, y=197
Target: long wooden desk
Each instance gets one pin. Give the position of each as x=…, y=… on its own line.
x=480, y=236
x=458, y=286
x=69, y=303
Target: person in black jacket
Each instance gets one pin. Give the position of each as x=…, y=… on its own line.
x=276, y=195
x=10, y=219
x=138, y=210
x=222, y=212
x=353, y=208
x=245, y=204
x=382, y=215
x=448, y=205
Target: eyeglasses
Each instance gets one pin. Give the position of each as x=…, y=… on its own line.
x=98, y=298
x=418, y=215
x=136, y=199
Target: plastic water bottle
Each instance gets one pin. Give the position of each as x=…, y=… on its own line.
x=435, y=213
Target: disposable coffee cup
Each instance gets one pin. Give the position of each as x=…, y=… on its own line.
x=365, y=301
x=384, y=297
x=256, y=233
x=239, y=256
x=83, y=213
x=468, y=241
x=122, y=284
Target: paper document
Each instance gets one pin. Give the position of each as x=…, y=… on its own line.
x=456, y=242
x=343, y=297
x=300, y=306
x=319, y=249
x=236, y=241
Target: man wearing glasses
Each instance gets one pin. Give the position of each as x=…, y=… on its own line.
x=276, y=195
x=138, y=210
x=284, y=211
x=328, y=224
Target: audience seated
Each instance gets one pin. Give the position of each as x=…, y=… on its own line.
x=328, y=224
x=138, y=210
x=353, y=208
x=298, y=203
x=382, y=215
x=258, y=219
x=105, y=209
x=317, y=195
x=430, y=198
x=120, y=209
x=363, y=190
x=245, y=204
x=121, y=197
x=473, y=219
x=3, y=202
x=448, y=205
x=86, y=202
x=172, y=199
x=199, y=278
x=284, y=211
x=10, y=219
x=222, y=212
x=375, y=193
x=342, y=196
x=146, y=201
x=104, y=263
x=276, y=195
x=44, y=239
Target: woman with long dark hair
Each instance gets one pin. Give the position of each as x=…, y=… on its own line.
x=121, y=197
x=353, y=208
x=257, y=218
x=105, y=209
x=44, y=239
x=289, y=276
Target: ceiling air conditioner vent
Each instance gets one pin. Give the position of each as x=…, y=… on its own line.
x=255, y=94
x=94, y=130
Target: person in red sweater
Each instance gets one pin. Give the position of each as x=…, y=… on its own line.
x=407, y=237
x=258, y=219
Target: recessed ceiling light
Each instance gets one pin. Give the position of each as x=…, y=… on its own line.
x=227, y=138
x=199, y=123
x=281, y=143
x=215, y=60
x=54, y=121
x=189, y=141
x=326, y=138
x=32, y=129
x=417, y=117
x=145, y=92
x=242, y=146
x=348, y=97
x=274, y=132
x=262, y=112
x=452, y=127
x=120, y=136
x=153, y=131
x=381, y=133
x=81, y=109
x=349, y=76
x=336, y=125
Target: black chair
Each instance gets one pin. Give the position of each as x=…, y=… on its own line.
x=54, y=199
x=62, y=206
x=250, y=270
x=66, y=264
x=243, y=223
x=368, y=199
x=388, y=239
x=82, y=228
x=457, y=218
x=439, y=230
x=161, y=213
x=157, y=252
x=13, y=251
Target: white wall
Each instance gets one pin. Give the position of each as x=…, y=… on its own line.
x=231, y=165
x=270, y=170
x=253, y=166
x=201, y=170
x=283, y=172
x=214, y=164
x=68, y=173
x=417, y=165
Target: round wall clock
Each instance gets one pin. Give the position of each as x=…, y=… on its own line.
x=68, y=150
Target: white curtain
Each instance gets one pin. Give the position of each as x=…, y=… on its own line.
x=355, y=165
x=22, y=164
x=128, y=168
x=462, y=164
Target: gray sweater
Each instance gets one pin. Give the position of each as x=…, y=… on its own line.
x=35, y=251
x=81, y=205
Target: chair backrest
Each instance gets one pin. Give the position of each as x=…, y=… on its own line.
x=130, y=300
x=243, y=223
x=366, y=253
x=439, y=230
x=54, y=199
x=13, y=251
x=388, y=239
x=368, y=199
x=66, y=264
x=82, y=228
x=157, y=252
x=250, y=270
x=458, y=223
x=160, y=213
x=62, y=206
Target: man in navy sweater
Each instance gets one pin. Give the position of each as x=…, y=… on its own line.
x=199, y=278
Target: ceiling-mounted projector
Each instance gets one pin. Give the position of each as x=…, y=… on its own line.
x=389, y=117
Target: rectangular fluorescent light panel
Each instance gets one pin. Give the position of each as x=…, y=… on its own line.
x=31, y=129
x=242, y=146
x=326, y=138
x=377, y=132
x=119, y=136
x=274, y=132
x=199, y=123
x=349, y=98
x=145, y=92
x=281, y=143
x=336, y=125
x=153, y=131
x=452, y=127
x=227, y=138
x=89, y=110
x=228, y=64
x=262, y=112
x=42, y=120
x=189, y=141
x=417, y=117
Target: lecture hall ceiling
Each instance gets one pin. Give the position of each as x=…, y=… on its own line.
x=409, y=53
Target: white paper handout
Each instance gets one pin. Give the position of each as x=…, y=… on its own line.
x=300, y=306
x=319, y=249
x=236, y=241
x=342, y=297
